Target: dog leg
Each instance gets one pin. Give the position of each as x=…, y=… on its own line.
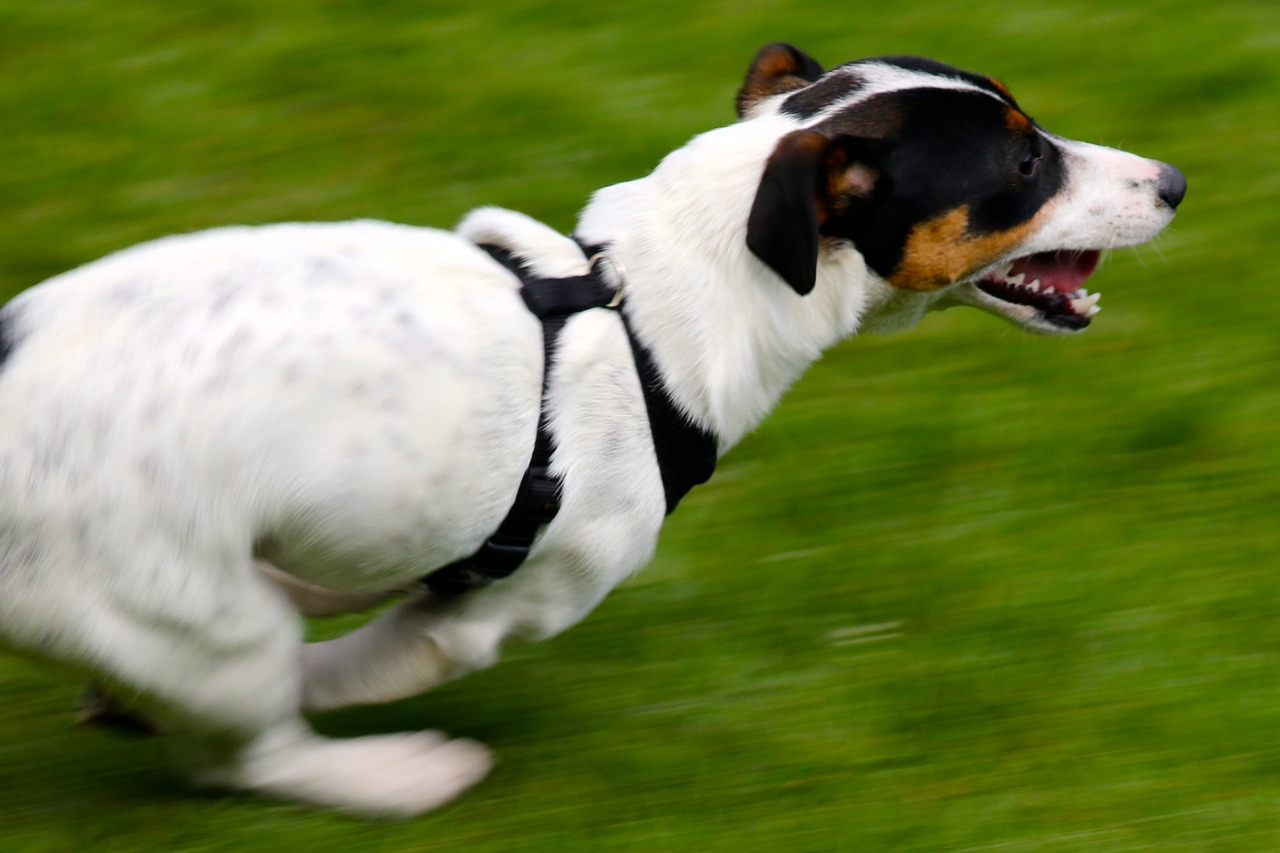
x=424, y=642
x=254, y=738
x=397, y=775
x=96, y=708
x=210, y=655
x=394, y=656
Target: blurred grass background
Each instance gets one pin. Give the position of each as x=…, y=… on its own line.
x=966, y=590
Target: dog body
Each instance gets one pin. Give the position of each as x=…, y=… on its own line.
x=347, y=407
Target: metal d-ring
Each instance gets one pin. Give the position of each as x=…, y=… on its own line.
x=619, y=274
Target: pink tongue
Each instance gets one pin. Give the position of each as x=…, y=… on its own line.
x=1064, y=271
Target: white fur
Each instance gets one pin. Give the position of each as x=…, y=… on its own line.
x=355, y=403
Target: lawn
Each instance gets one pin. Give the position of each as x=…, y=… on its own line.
x=966, y=590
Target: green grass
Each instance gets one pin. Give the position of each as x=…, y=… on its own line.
x=1068, y=546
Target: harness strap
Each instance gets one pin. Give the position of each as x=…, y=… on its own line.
x=686, y=453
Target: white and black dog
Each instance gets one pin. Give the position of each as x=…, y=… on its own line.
x=202, y=436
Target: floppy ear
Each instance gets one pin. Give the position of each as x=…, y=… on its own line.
x=777, y=68
x=807, y=180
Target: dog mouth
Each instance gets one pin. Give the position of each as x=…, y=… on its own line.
x=1050, y=283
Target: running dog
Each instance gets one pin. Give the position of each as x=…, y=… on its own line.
x=203, y=436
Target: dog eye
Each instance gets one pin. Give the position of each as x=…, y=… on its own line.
x=1030, y=161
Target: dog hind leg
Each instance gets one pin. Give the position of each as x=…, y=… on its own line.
x=212, y=657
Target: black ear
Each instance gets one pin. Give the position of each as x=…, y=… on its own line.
x=807, y=180
x=777, y=68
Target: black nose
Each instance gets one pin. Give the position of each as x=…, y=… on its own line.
x=1173, y=185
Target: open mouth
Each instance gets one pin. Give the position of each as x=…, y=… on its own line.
x=1050, y=283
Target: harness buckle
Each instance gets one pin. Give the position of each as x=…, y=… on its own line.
x=619, y=275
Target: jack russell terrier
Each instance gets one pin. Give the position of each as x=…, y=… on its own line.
x=206, y=436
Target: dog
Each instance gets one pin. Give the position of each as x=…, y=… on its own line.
x=205, y=436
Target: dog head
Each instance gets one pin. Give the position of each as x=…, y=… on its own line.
x=944, y=185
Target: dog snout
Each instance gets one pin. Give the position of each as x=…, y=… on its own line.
x=1171, y=185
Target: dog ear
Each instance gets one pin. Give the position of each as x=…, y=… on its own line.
x=777, y=68
x=807, y=180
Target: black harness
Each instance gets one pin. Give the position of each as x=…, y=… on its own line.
x=686, y=452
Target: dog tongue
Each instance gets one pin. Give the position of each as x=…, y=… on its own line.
x=1064, y=271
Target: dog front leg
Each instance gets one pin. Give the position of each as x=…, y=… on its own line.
x=424, y=642
x=397, y=655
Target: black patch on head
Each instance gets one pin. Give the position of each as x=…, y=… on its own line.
x=845, y=81
x=950, y=148
x=898, y=173
x=813, y=99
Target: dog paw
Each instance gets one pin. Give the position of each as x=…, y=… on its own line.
x=389, y=776
x=430, y=773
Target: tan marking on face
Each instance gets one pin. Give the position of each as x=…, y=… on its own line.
x=943, y=251
x=1017, y=121
x=850, y=182
x=1004, y=90
x=846, y=182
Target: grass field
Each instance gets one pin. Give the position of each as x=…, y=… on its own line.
x=967, y=590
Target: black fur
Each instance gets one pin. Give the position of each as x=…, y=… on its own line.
x=951, y=149
x=811, y=100
x=931, y=151
x=782, y=228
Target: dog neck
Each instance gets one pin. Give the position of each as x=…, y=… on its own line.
x=728, y=334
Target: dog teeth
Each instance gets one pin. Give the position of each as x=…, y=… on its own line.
x=1087, y=304
x=1034, y=286
x=1017, y=279
x=1003, y=272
